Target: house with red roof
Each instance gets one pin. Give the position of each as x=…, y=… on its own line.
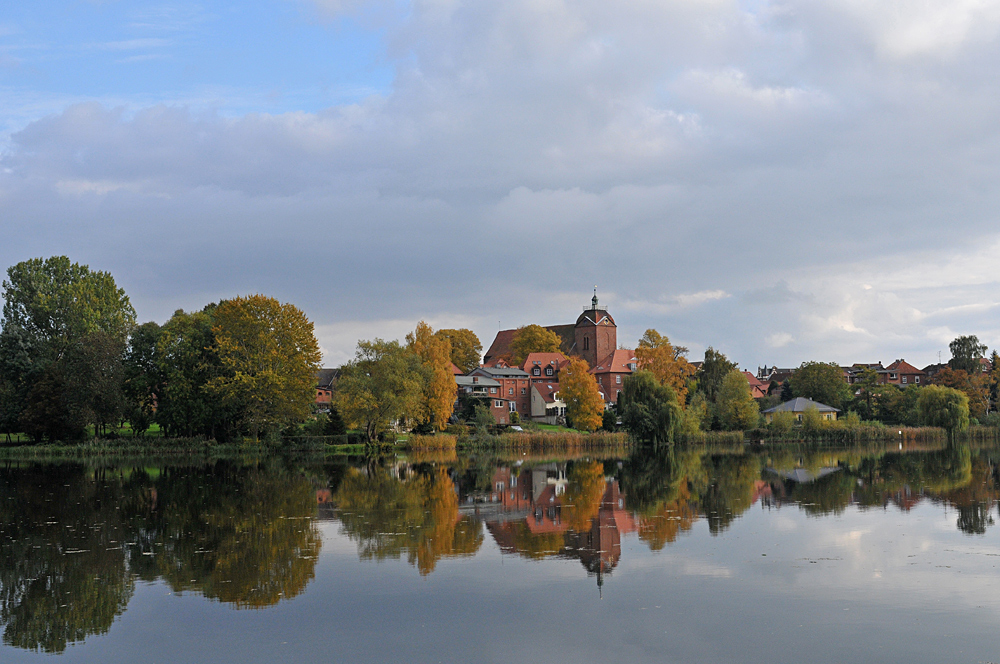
x=544, y=367
x=546, y=406
x=757, y=388
x=611, y=372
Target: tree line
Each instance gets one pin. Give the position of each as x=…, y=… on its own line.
x=73, y=360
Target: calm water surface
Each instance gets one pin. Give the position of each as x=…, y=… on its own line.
x=690, y=555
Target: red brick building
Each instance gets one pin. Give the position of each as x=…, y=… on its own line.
x=612, y=371
x=513, y=395
x=593, y=337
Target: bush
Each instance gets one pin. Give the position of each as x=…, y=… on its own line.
x=782, y=422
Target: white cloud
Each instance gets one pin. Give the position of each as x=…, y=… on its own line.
x=765, y=177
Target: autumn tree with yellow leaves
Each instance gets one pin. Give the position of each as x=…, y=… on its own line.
x=532, y=339
x=439, y=382
x=270, y=356
x=666, y=362
x=578, y=389
x=466, y=349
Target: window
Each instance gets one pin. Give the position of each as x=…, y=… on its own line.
x=498, y=404
x=524, y=391
x=618, y=379
x=892, y=376
x=513, y=406
x=916, y=379
x=631, y=366
x=536, y=372
x=904, y=380
x=586, y=343
x=510, y=391
x=493, y=390
x=548, y=371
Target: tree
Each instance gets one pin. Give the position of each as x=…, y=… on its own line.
x=381, y=385
x=466, y=349
x=737, y=408
x=822, y=382
x=668, y=365
x=966, y=353
x=439, y=382
x=143, y=379
x=867, y=384
x=52, y=311
x=334, y=423
x=532, y=339
x=578, y=389
x=975, y=385
x=270, y=357
x=943, y=407
x=995, y=381
x=649, y=409
x=713, y=371
x=187, y=362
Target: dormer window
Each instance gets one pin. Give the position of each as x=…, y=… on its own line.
x=536, y=372
x=548, y=371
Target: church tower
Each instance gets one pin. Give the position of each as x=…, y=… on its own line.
x=595, y=333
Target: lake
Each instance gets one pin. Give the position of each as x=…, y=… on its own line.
x=783, y=554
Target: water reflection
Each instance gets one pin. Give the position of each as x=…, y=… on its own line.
x=73, y=541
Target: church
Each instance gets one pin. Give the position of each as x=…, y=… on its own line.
x=594, y=337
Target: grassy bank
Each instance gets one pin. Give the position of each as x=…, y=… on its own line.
x=165, y=447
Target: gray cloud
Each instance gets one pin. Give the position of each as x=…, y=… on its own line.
x=783, y=155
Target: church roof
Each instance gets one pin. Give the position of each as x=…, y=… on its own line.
x=594, y=317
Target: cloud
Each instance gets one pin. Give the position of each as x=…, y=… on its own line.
x=782, y=180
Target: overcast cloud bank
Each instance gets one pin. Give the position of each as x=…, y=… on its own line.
x=782, y=180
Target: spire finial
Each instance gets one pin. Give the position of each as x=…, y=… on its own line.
x=594, y=300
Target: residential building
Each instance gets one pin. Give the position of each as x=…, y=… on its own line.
x=757, y=388
x=546, y=406
x=325, y=381
x=612, y=371
x=513, y=395
x=899, y=373
x=544, y=367
x=798, y=406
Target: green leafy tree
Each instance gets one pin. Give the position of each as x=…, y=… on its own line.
x=383, y=384
x=782, y=422
x=822, y=382
x=737, y=408
x=270, y=357
x=713, y=372
x=867, y=386
x=57, y=313
x=187, y=361
x=143, y=378
x=965, y=354
x=532, y=339
x=994, y=381
x=649, y=409
x=943, y=407
x=335, y=425
x=466, y=349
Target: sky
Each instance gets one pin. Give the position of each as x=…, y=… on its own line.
x=784, y=180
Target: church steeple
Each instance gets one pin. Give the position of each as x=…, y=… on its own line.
x=593, y=301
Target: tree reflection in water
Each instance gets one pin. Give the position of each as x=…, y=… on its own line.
x=417, y=514
x=73, y=540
